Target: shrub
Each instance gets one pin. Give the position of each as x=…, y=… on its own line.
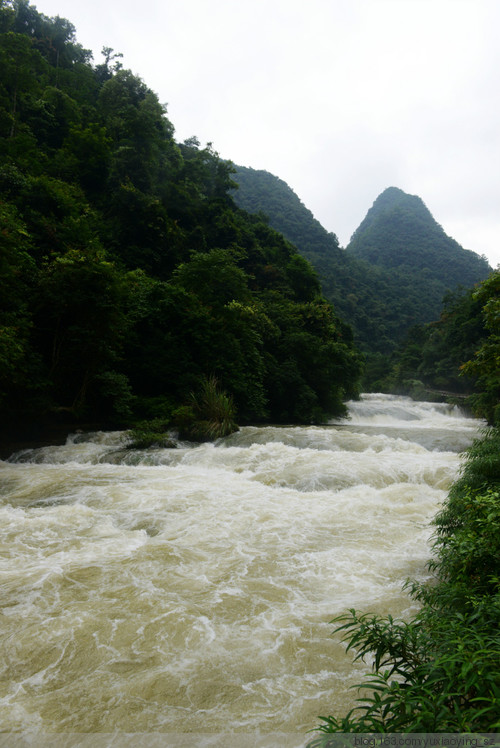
x=151, y=433
x=210, y=414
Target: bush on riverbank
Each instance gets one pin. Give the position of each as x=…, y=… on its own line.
x=210, y=414
x=440, y=672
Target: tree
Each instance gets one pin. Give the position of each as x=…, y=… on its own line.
x=17, y=279
x=485, y=365
x=81, y=322
x=214, y=277
x=22, y=67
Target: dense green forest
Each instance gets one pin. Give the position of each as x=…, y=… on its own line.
x=457, y=355
x=129, y=276
x=430, y=359
x=392, y=276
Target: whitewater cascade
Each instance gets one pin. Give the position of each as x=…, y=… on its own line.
x=190, y=590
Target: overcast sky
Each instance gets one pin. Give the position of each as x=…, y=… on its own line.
x=339, y=98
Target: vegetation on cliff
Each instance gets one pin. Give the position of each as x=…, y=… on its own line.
x=400, y=233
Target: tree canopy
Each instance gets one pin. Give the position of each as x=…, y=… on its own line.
x=129, y=276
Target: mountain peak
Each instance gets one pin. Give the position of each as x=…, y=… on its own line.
x=391, y=194
x=399, y=231
x=390, y=200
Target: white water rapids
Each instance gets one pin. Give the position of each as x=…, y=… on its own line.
x=190, y=590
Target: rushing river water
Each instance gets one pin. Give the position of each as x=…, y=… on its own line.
x=190, y=590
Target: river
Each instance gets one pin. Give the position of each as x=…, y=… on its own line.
x=190, y=590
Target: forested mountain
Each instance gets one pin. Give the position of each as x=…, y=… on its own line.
x=382, y=301
x=400, y=233
x=129, y=277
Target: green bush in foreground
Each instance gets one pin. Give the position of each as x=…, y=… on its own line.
x=439, y=672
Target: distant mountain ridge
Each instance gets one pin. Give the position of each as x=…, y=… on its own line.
x=395, y=271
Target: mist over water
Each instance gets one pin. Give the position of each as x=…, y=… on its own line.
x=190, y=589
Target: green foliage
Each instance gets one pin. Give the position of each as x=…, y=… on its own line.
x=153, y=433
x=80, y=323
x=16, y=280
x=440, y=672
x=485, y=364
x=112, y=397
x=472, y=549
x=400, y=232
x=128, y=274
x=457, y=356
x=261, y=192
x=210, y=414
x=441, y=678
x=214, y=278
x=312, y=351
x=433, y=355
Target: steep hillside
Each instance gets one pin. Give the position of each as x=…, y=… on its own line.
x=382, y=301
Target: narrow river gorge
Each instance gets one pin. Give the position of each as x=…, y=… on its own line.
x=190, y=590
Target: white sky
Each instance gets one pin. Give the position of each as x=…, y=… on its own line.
x=339, y=98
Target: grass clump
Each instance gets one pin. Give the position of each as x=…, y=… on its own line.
x=439, y=672
x=210, y=414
